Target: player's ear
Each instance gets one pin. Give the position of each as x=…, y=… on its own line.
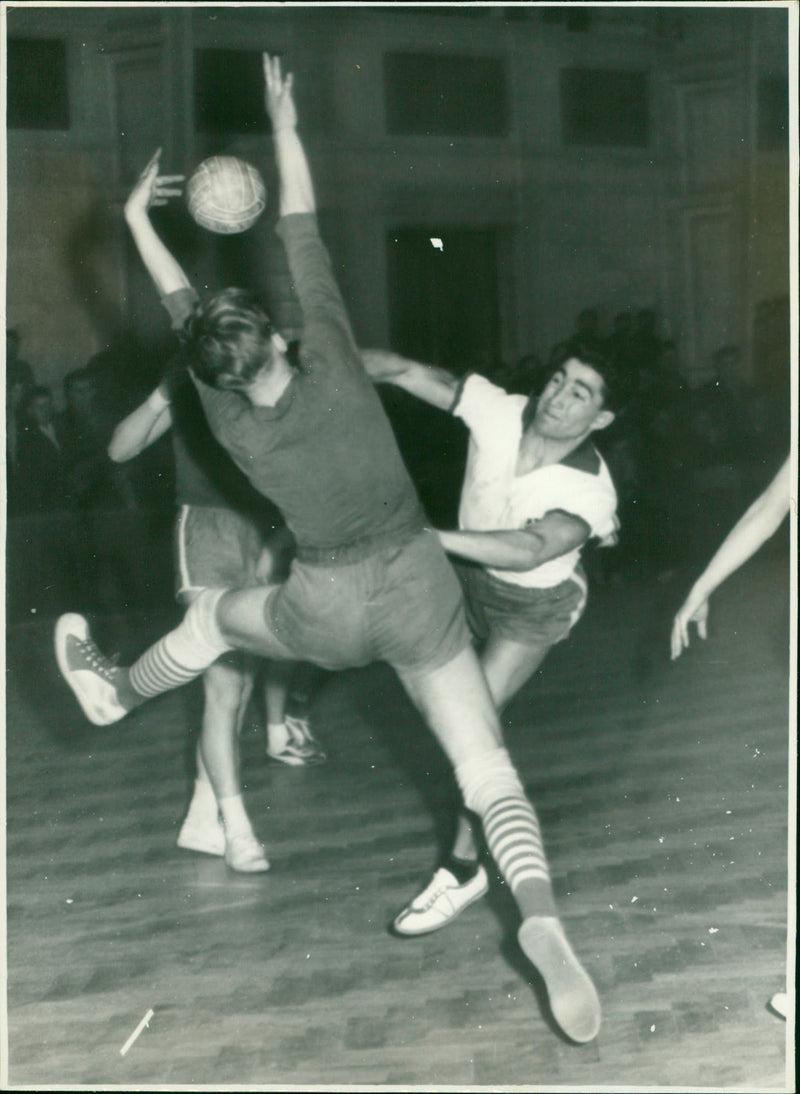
x=603, y=419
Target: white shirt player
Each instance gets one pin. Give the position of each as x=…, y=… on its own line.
x=494, y=497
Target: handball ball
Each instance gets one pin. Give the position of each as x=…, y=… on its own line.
x=226, y=195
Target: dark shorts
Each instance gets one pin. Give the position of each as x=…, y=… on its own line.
x=534, y=617
x=214, y=548
x=401, y=604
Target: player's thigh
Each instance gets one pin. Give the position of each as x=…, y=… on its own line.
x=508, y=665
x=455, y=702
x=242, y=620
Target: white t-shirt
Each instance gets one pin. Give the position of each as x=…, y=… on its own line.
x=494, y=498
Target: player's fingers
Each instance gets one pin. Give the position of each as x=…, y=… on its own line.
x=153, y=162
x=701, y=628
x=675, y=641
x=288, y=83
x=170, y=178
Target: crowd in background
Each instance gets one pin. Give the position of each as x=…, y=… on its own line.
x=87, y=534
x=82, y=531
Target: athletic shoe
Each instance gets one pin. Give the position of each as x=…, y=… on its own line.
x=442, y=900
x=208, y=839
x=302, y=749
x=779, y=1003
x=304, y=740
x=245, y=854
x=92, y=676
x=572, y=995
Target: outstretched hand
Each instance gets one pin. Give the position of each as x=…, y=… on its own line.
x=278, y=98
x=152, y=189
x=694, y=610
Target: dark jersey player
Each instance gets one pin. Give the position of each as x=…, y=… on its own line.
x=370, y=581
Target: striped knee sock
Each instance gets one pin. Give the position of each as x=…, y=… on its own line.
x=184, y=653
x=491, y=788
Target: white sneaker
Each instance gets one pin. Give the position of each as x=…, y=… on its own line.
x=245, y=854
x=208, y=839
x=442, y=900
x=90, y=674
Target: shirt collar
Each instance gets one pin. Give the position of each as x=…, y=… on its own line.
x=583, y=458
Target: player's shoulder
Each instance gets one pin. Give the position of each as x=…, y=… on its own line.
x=477, y=391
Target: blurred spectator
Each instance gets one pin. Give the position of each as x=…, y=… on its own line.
x=722, y=437
x=524, y=378
x=619, y=344
x=17, y=370
x=587, y=325
x=16, y=396
x=41, y=457
x=645, y=345
x=95, y=481
x=43, y=562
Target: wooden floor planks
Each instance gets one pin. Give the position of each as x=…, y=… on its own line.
x=662, y=793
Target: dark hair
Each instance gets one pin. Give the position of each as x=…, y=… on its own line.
x=617, y=386
x=228, y=339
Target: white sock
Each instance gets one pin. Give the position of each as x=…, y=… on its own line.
x=234, y=816
x=203, y=808
x=277, y=736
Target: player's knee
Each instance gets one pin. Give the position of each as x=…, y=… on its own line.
x=224, y=689
x=486, y=777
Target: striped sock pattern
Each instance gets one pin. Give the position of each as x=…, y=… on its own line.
x=157, y=671
x=512, y=832
x=184, y=653
x=492, y=789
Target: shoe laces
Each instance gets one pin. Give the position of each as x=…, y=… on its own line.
x=106, y=667
x=438, y=889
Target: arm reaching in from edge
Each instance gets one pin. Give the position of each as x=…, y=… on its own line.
x=759, y=522
x=296, y=188
x=433, y=385
x=151, y=190
x=141, y=428
x=551, y=536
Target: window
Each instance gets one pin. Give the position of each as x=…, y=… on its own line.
x=229, y=91
x=37, y=93
x=604, y=107
x=439, y=95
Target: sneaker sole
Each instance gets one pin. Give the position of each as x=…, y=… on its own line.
x=193, y=841
x=67, y=626
x=573, y=998
x=430, y=930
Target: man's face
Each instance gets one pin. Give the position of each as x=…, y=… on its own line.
x=80, y=396
x=571, y=405
x=42, y=410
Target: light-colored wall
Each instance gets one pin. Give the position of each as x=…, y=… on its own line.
x=587, y=226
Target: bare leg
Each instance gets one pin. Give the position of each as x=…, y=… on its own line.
x=276, y=691
x=507, y=666
x=456, y=702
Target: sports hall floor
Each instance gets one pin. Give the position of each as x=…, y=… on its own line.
x=662, y=792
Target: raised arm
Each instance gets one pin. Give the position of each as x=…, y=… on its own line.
x=296, y=188
x=555, y=534
x=759, y=522
x=151, y=190
x=141, y=428
x=433, y=385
